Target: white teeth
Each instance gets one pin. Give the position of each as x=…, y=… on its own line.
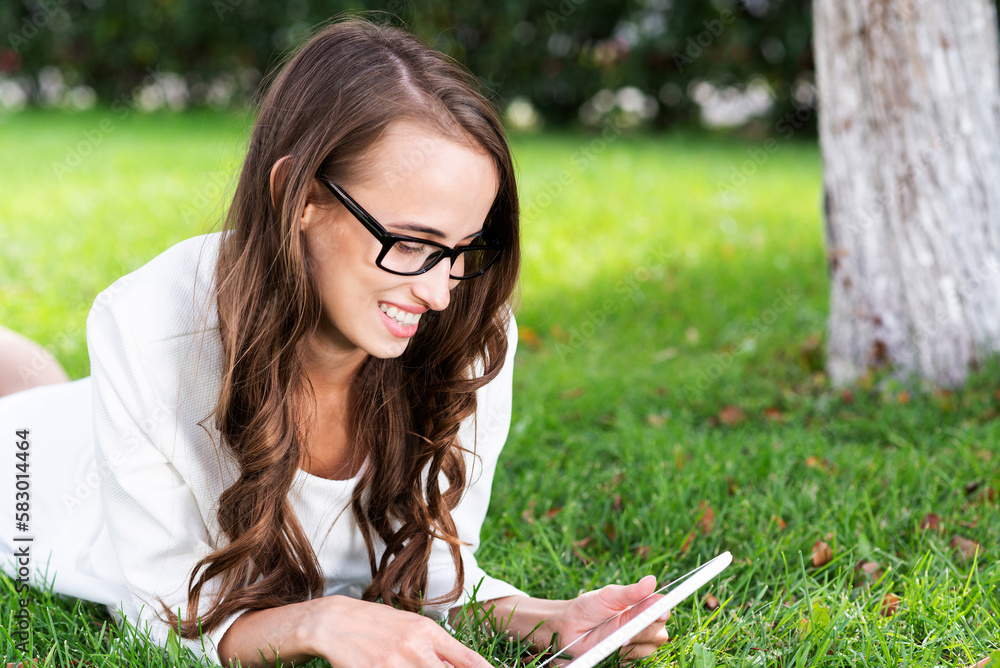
x=399, y=315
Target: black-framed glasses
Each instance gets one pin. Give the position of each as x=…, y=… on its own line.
x=410, y=256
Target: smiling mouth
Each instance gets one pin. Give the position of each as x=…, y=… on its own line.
x=404, y=318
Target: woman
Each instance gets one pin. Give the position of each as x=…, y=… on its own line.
x=296, y=421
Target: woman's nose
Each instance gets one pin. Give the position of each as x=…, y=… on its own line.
x=434, y=286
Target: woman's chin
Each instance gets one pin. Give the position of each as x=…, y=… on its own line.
x=388, y=349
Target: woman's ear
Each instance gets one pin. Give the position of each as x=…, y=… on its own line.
x=279, y=174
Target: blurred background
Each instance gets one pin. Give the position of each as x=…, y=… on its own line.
x=555, y=63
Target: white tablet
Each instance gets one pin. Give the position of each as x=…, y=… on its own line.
x=678, y=590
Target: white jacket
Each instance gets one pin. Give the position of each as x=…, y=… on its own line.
x=156, y=362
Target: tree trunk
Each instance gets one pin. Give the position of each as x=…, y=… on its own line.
x=909, y=126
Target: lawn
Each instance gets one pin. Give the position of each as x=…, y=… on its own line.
x=669, y=401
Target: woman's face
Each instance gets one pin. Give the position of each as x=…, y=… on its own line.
x=415, y=178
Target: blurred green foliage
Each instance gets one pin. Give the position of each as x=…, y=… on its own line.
x=556, y=53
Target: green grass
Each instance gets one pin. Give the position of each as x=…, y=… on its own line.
x=670, y=362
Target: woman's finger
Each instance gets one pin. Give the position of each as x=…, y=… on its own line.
x=455, y=654
x=639, y=608
x=619, y=597
x=655, y=634
x=646, y=641
x=632, y=652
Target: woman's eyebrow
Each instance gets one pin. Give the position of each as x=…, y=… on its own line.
x=414, y=227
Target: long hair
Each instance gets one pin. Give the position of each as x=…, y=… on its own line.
x=326, y=108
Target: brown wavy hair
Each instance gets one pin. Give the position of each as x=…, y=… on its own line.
x=326, y=108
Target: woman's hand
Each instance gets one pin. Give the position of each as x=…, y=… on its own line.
x=347, y=633
x=537, y=619
x=359, y=633
x=588, y=610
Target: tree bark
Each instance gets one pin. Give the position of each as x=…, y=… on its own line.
x=909, y=125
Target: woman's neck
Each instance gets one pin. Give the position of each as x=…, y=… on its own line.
x=331, y=369
x=327, y=449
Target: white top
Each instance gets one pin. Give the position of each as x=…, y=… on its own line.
x=126, y=521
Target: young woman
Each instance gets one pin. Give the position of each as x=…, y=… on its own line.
x=296, y=420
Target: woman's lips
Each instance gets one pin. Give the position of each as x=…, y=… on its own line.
x=397, y=328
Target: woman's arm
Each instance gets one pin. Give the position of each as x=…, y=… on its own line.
x=151, y=510
x=522, y=617
x=347, y=633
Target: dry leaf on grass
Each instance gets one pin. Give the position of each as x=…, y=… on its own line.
x=867, y=572
x=609, y=531
x=773, y=413
x=529, y=513
x=655, y=420
x=707, y=519
x=732, y=416
x=930, y=521
x=711, y=603
x=731, y=486
x=890, y=604
x=579, y=546
x=822, y=554
x=966, y=549
x=528, y=336
x=814, y=462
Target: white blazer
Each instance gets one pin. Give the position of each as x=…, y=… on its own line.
x=125, y=483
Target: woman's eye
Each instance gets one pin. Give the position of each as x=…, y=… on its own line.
x=409, y=248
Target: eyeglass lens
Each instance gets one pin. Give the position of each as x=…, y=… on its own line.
x=412, y=256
